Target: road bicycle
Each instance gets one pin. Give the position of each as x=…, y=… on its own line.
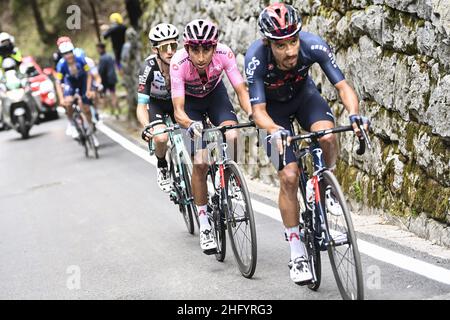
x=321, y=229
x=180, y=168
x=81, y=125
x=229, y=202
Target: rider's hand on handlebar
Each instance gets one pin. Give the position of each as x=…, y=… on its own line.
x=147, y=133
x=276, y=136
x=356, y=119
x=195, y=129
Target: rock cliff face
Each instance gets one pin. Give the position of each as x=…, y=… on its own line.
x=396, y=54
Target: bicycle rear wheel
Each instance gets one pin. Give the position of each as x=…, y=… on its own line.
x=79, y=126
x=313, y=255
x=343, y=248
x=241, y=221
x=187, y=171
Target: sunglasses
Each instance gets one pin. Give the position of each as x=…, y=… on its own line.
x=165, y=47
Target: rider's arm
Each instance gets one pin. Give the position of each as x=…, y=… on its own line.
x=323, y=54
x=237, y=81
x=89, y=82
x=348, y=97
x=177, y=81
x=59, y=91
x=244, y=99
x=142, y=114
x=255, y=69
x=143, y=92
x=262, y=118
x=180, y=115
x=59, y=77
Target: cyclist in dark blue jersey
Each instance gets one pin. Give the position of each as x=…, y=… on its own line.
x=72, y=72
x=277, y=69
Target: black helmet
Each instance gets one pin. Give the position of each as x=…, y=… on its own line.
x=279, y=21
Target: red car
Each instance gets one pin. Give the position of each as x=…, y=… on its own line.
x=42, y=85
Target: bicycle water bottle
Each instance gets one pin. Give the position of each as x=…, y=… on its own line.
x=217, y=180
x=310, y=194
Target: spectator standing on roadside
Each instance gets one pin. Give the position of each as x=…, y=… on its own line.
x=108, y=74
x=117, y=34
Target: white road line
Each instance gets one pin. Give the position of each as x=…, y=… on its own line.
x=388, y=256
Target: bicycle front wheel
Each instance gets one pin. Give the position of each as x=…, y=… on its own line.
x=343, y=248
x=180, y=185
x=241, y=221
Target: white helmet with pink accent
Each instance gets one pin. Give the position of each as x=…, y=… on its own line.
x=200, y=32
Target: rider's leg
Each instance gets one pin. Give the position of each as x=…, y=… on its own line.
x=199, y=172
x=315, y=114
x=114, y=102
x=68, y=101
x=160, y=142
x=86, y=108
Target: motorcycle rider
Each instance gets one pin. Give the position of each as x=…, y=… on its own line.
x=8, y=49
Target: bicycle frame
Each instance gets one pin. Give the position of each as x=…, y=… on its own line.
x=176, y=149
x=321, y=233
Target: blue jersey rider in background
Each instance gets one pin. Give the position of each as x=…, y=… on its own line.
x=72, y=72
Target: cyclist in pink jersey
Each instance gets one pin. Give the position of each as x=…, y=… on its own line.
x=197, y=90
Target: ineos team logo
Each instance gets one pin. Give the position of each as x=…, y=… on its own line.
x=251, y=67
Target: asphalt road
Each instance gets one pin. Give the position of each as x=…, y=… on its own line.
x=77, y=228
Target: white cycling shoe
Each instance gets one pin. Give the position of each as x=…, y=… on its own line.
x=163, y=179
x=333, y=206
x=71, y=131
x=207, y=241
x=299, y=271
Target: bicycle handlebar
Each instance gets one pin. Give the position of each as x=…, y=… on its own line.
x=363, y=140
x=223, y=129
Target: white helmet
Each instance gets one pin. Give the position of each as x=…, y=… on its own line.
x=163, y=32
x=66, y=47
x=6, y=36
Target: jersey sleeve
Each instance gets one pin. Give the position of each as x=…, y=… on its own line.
x=59, y=70
x=255, y=70
x=324, y=55
x=177, y=78
x=84, y=64
x=231, y=69
x=145, y=82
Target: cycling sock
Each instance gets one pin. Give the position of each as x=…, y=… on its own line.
x=297, y=247
x=162, y=163
x=203, y=217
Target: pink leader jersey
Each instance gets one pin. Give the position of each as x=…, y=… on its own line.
x=185, y=79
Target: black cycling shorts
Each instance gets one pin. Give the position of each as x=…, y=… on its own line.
x=216, y=105
x=307, y=106
x=157, y=109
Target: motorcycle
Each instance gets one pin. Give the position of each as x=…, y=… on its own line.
x=19, y=106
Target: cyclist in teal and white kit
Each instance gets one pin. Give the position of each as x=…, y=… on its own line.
x=197, y=89
x=280, y=88
x=154, y=99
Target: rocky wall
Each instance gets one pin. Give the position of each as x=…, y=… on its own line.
x=396, y=54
